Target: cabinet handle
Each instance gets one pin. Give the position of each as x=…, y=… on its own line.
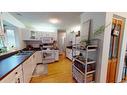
x=18, y=80
x=16, y=72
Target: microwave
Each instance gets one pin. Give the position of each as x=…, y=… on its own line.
x=47, y=39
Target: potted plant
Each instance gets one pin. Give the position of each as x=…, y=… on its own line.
x=98, y=31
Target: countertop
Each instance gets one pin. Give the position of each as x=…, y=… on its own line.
x=7, y=65
x=38, y=49
x=69, y=47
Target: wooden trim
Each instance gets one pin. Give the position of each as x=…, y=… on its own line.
x=120, y=39
x=119, y=47
x=108, y=71
x=113, y=62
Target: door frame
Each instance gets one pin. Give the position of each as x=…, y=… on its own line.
x=119, y=51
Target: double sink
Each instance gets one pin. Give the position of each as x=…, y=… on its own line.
x=24, y=53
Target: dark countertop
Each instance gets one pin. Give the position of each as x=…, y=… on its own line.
x=38, y=49
x=7, y=65
x=69, y=47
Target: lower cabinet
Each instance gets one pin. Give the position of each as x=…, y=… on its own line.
x=69, y=53
x=23, y=73
x=28, y=68
x=56, y=54
x=38, y=56
x=14, y=77
x=26, y=71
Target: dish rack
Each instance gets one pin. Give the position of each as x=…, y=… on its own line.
x=84, y=64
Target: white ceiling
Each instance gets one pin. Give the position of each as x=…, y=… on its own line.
x=36, y=20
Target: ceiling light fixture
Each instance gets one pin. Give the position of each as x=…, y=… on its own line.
x=54, y=20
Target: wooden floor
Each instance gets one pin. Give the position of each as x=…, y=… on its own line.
x=58, y=72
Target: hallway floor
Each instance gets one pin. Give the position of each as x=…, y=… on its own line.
x=58, y=72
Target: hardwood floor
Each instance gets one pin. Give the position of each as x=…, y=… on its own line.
x=58, y=72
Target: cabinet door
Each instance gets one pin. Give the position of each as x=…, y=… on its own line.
x=35, y=57
x=30, y=68
x=39, y=57
x=70, y=54
x=33, y=62
x=67, y=52
x=26, y=71
x=56, y=53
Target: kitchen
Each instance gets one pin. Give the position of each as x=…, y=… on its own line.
x=58, y=47
x=27, y=52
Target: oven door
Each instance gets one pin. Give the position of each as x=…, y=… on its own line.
x=48, y=56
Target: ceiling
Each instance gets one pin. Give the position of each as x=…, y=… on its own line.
x=39, y=20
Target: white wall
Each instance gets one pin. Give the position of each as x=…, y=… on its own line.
x=19, y=38
x=98, y=19
x=12, y=20
x=26, y=34
x=19, y=28
x=61, y=41
x=71, y=36
x=105, y=50
x=105, y=19
x=85, y=30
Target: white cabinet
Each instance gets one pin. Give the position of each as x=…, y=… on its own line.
x=69, y=53
x=22, y=73
x=15, y=76
x=38, y=56
x=26, y=71
x=39, y=34
x=33, y=62
x=46, y=34
x=28, y=67
x=56, y=54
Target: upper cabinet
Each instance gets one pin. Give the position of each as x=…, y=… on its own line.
x=38, y=35
x=1, y=25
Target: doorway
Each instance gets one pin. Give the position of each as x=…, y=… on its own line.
x=115, y=48
x=61, y=41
